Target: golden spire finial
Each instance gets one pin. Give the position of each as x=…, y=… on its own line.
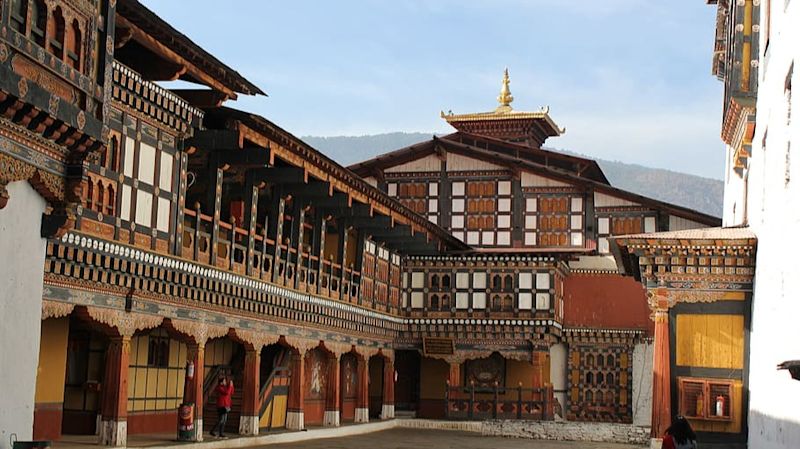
x=505, y=98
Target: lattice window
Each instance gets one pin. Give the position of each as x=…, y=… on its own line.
x=534, y=291
x=553, y=220
x=148, y=174
x=611, y=224
x=706, y=399
x=421, y=197
x=481, y=212
x=599, y=390
x=439, y=286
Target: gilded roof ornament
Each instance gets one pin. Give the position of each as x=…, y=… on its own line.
x=505, y=98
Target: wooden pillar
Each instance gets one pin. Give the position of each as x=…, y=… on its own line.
x=332, y=392
x=387, y=411
x=359, y=265
x=540, y=369
x=662, y=412
x=251, y=214
x=248, y=421
x=362, y=396
x=454, y=377
x=343, y=252
x=297, y=235
x=276, y=231
x=194, y=388
x=295, y=419
x=218, y=176
x=114, y=408
x=318, y=246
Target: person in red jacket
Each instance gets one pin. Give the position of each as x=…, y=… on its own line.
x=679, y=435
x=224, y=394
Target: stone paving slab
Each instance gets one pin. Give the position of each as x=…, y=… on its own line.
x=400, y=438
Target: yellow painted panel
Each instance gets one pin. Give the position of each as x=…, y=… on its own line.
x=162, y=379
x=131, y=382
x=518, y=371
x=279, y=411
x=267, y=416
x=141, y=383
x=152, y=385
x=174, y=353
x=733, y=296
x=710, y=341
x=52, y=368
x=141, y=350
x=623, y=360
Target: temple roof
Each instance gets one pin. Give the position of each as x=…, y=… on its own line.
x=718, y=236
x=505, y=123
x=506, y=158
x=159, y=37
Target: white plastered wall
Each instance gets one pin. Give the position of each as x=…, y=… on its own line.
x=21, y=280
x=558, y=374
x=642, y=403
x=774, y=215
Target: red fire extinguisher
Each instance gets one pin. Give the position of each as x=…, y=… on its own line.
x=720, y=406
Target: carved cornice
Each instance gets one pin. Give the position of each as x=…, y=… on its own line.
x=200, y=331
x=258, y=339
x=126, y=323
x=338, y=348
x=462, y=356
x=302, y=345
x=56, y=309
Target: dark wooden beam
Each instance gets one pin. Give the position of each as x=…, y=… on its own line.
x=202, y=98
x=278, y=175
x=243, y=157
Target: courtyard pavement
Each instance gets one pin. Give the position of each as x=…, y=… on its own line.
x=400, y=438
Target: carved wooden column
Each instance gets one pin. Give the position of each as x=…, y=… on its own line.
x=332, y=392
x=297, y=235
x=251, y=214
x=295, y=418
x=319, y=246
x=114, y=408
x=387, y=411
x=362, y=396
x=194, y=388
x=539, y=362
x=454, y=378
x=217, y=201
x=248, y=422
x=661, y=375
x=276, y=230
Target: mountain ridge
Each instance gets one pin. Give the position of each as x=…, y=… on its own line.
x=682, y=189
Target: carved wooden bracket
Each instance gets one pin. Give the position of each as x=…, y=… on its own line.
x=302, y=345
x=199, y=331
x=56, y=309
x=127, y=323
x=258, y=339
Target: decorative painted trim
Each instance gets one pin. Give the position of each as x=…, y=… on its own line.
x=56, y=309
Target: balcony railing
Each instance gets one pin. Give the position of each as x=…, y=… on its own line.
x=478, y=403
x=304, y=272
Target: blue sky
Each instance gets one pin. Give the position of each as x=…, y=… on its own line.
x=629, y=79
